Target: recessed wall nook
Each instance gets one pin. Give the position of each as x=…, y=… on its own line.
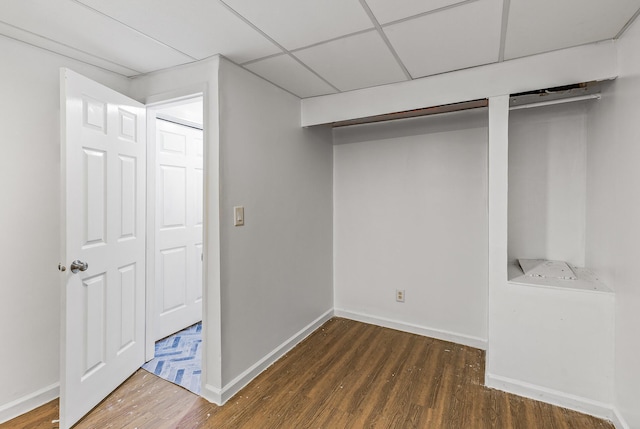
x=549, y=331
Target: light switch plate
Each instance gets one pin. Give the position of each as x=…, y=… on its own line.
x=238, y=216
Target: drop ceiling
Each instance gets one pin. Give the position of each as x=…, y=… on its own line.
x=312, y=47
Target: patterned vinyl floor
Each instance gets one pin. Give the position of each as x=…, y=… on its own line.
x=178, y=358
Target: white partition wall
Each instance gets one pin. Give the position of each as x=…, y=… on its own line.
x=497, y=202
x=548, y=340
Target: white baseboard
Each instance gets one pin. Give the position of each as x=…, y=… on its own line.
x=212, y=394
x=466, y=340
x=220, y=396
x=29, y=402
x=551, y=396
x=618, y=421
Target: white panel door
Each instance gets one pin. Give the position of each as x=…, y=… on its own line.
x=179, y=215
x=103, y=225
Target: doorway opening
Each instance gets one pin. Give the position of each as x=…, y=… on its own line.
x=175, y=220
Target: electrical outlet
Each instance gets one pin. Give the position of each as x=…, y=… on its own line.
x=400, y=295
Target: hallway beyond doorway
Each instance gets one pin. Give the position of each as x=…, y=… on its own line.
x=179, y=358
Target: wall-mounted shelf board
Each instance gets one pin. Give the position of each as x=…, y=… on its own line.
x=586, y=281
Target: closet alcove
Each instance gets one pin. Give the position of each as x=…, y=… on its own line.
x=552, y=338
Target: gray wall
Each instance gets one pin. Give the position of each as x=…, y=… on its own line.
x=276, y=271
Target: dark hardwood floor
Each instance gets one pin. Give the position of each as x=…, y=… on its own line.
x=345, y=375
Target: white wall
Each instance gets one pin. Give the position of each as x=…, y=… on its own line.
x=613, y=215
x=553, y=344
x=30, y=221
x=410, y=212
x=276, y=271
x=547, y=182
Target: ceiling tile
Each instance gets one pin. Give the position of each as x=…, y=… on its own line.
x=387, y=11
x=353, y=62
x=289, y=74
x=50, y=45
x=299, y=23
x=464, y=36
x=546, y=25
x=75, y=25
x=198, y=28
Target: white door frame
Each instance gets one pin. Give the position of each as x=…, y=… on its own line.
x=152, y=111
x=178, y=305
x=210, y=229
x=211, y=377
x=152, y=115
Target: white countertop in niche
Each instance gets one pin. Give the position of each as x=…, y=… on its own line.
x=586, y=280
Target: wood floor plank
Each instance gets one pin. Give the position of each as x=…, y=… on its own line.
x=345, y=375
